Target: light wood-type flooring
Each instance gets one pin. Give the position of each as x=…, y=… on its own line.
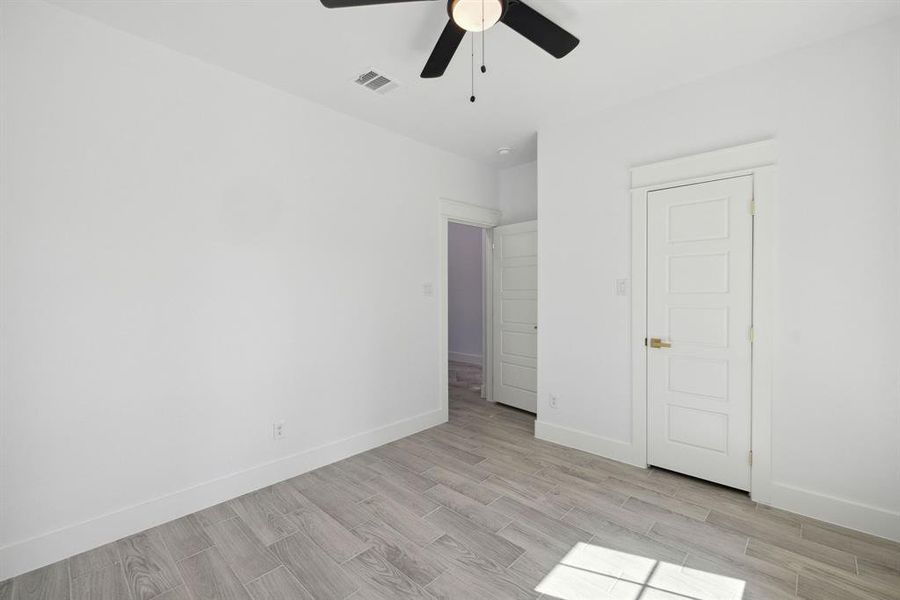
x=478, y=508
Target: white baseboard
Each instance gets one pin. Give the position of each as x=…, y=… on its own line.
x=588, y=442
x=26, y=555
x=471, y=359
x=840, y=511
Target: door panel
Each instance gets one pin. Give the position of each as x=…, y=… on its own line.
x=699, y=278
x=515, y=315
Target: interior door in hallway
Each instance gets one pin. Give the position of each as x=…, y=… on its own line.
x=699, y=293
x=515, y=315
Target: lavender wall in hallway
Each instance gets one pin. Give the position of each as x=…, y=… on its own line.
x=465, y=283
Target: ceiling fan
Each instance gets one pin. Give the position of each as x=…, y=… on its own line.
x=479, y=15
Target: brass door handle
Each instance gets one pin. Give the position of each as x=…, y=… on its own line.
x=658, y=343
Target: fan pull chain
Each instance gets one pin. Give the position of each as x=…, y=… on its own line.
x=483, y=68
x=472, y=38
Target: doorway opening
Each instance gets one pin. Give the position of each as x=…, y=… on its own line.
x=466, y=310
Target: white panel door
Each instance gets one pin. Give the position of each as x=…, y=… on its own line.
x=699, y=289
x=515, y=315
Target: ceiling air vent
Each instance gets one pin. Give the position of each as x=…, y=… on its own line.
x=376, y=82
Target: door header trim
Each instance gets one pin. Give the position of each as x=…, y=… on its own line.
x=725, y=160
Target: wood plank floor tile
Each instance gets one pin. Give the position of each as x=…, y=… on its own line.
x=542, y=553
x=278, y=584
x=462, y=484
x=662, y=501
x=379, y=578
x=752, y=525
x=149, y=569
x=472, y=566
x=241, y=549
x=328, y=534
x=356, y=469
x=408, y=524
x=482, y=542
x=559, y=530
x=315, y=570
x=6, y=589
x=797, y=552
x=410, y=499
x=432, y=458
x=820, y=584
x=583, y=489
x=184, y=537
x=456, y=584
x=93, y=560
x=871, y=571
x=403, y=457
x=524, y=483
x=179, y=593
x=473, y=510
x=398, y=472
x=621, y=539
x=291, y=498
x=696, y=536
x=471, y=457
x=104, y=584
x=763, y=581
x=263, y=512
x=658, y=513
x=47, y=583
x=330, y=500
x=208, y=577
x=355, y=491
x=215, y=514
x=421, y=564
x=877, y=550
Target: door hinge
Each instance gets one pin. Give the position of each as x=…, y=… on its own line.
x=493, y=246
x=750, y=457
x=752, y=335
x=752, y=206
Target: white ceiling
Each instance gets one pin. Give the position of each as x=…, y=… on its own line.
x=627, y=50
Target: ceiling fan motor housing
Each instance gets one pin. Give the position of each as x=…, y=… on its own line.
x=468, y=14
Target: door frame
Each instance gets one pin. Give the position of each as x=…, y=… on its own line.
x=758, y=160
x=486, y=218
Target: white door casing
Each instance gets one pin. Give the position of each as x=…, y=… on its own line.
x=699, y=299
x=515, y=315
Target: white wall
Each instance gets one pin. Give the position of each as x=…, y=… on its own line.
x=518, y=193
x=465, y=295
x=187, y=257
x=834, y=110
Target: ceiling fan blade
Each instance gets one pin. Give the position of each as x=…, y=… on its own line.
x=539, y=29
x=349, y=3
x=443, y=51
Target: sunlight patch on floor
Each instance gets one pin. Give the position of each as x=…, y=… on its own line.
x=593, y=572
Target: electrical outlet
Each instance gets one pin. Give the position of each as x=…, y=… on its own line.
x=278, y=430
x=427, y=289
x=554, y=401
x=621, y=287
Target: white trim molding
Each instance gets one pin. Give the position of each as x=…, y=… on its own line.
x=757, y=160
x=26, y=555
x=589, y=442
x=706, y=165
x=467, y=214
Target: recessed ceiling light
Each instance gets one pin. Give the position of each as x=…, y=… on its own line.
x=504, y=150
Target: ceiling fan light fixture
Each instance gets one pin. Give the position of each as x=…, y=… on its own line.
x=476, y=15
